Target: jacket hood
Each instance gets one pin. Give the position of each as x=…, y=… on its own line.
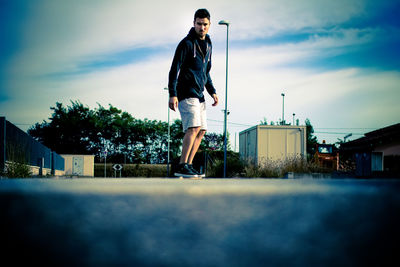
x=193, y=35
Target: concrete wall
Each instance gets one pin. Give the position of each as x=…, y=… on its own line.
x=38, y=171
x=79, y=165
x=264, y=142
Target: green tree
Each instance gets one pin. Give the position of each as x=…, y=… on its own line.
x=212, y=141
x=69, y=131
x=76, y=129
x=114, y=131
x=312, y=140
x=176, y=138
x=264, y=121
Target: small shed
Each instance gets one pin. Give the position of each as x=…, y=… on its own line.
x=269, y=142
x=79, y=165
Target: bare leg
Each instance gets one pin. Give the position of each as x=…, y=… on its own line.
x=187, y=144
x=196, y=144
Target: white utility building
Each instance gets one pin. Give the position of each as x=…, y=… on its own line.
x=272, y=142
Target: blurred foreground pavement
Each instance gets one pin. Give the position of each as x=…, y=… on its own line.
x=209, y=222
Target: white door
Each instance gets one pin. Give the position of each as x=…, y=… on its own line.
x=77, y=166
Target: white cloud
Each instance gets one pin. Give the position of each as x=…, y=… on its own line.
x=61, y=33
x=260, y=19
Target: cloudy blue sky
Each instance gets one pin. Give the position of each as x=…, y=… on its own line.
x=338, y=62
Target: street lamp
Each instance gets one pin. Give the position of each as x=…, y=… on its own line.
x=347, y=136
x=293, y=118
x=224, y=22
x=283, y=108
x=169, y=136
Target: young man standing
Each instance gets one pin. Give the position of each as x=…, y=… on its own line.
x=189, y=75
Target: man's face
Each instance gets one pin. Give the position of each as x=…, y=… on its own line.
x=201, y=27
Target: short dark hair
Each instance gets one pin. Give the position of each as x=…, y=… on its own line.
x=201, y=14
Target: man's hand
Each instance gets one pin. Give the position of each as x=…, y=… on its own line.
x=173, y=103
x=215, y=97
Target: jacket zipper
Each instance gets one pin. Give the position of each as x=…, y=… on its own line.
x=201, y=52
x=204, y=57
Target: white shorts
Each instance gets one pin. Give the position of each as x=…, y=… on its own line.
x=193, y=113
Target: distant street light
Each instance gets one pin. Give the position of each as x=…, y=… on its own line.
x=105, y=162
x=224, y=22
x=347, y=136
x=293, y=118
x=283, y=108
x=169, y=136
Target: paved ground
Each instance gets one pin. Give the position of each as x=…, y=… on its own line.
x=209, y=222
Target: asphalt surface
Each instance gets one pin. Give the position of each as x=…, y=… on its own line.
x=209, y=222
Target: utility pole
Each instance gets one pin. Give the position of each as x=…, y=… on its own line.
x=226, y=23
x=169, y=136
x=105, y=162
x=283, y=108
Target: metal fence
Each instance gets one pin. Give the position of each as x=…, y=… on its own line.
x=18, y=146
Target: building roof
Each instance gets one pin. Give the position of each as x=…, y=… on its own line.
x=373, y=139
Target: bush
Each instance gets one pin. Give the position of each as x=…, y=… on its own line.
x=144, y=170
x=234, y=165
x=279, y=168
x=17, y=170
x=268, y=169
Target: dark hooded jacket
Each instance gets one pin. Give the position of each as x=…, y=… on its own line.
x=190, y=69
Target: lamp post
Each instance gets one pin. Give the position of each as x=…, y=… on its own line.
x=283, y=108
x=224, y=22
x=293, y=118
x=347, y=136
x=105, y=162
x=169, y=136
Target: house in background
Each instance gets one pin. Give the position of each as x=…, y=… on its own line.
x=377, y=153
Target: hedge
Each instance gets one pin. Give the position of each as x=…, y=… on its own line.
x=131, y=170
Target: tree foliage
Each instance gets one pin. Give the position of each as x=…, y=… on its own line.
x=77, y=129
x=312, y=140
x=264, y=121
x=212, y=141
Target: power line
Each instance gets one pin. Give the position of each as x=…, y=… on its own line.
x=248, y=125
x=338, y=133
x=346, y=128
x=234, y=123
